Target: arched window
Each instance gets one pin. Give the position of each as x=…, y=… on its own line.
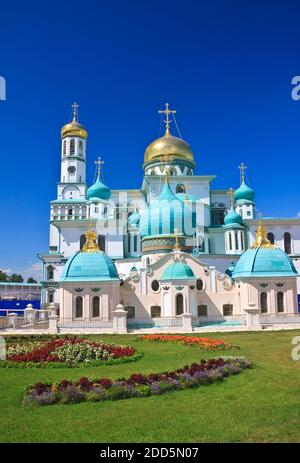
x=179, y=304
x=287, y=243
x=199, y=284
x=80, y=147
x=230, y=241
x=72, y=146
x=65, y=147
x=227, y=310
x=135, y=243
x=130, y=311
x=82, y=241
x=101, y=242
x=96, y=306
x=70, y=212
x=180, y=188
x=271, y=237
x=78, y=307
x=50, y=272
x=51, y=297
x=155, y=311
x=202, y=310
x=280, y=302
x=264, y=302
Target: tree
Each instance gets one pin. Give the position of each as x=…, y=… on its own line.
x=14, y=278
x=3, y=276
x=31, y=280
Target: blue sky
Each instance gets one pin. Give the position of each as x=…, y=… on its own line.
x=226, y=66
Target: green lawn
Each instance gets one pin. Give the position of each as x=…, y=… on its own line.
x=258, y=405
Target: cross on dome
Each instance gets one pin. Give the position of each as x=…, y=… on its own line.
x=167, y=111
x=99, y=162
x=75, y=107
x=230, y=194
x=242, y=168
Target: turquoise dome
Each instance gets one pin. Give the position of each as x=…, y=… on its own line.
x=244, y=193
x=89, y=266
x=98, y=191
x=178, y=271
x=134, y=218
x=264, y=262
x=232, y=217
x=167, y=214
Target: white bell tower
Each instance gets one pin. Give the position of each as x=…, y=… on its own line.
x=73, y=151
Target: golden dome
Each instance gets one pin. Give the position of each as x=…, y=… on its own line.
x=74, y=129
x=168, y=147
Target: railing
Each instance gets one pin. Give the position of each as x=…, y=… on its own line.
x=159, y=322
x=220, y=320
x=279, y=319
x=84, y=323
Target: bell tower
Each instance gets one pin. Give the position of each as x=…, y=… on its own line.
x=73, y=150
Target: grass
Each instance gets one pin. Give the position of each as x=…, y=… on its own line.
x=258, y=405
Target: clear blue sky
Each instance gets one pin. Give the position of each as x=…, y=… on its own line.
x=226, y=66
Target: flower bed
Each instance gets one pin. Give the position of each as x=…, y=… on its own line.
x=137, y=385
x=203, y=343
x=66, y=352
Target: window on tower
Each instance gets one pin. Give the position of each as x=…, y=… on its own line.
x=217, y=215
x=80, y=147
x=180, y=188
x=65, y=148
x=72, y=146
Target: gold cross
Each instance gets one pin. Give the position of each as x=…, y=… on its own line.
x=242, y=168
x=99, y=162
x=230, y=193
x=75, y=107
x=167, y=111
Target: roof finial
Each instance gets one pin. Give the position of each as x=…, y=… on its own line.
x=99, y=162
x=167, y=111
x=230, y=193
x=176, y=245
x=242, y=168
x=75, y=107
x=90, y=244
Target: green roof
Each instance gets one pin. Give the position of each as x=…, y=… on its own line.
x=178, y=271
x=89, y=266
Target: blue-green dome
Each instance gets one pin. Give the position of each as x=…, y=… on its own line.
x=232, y=217
x=98, y=191
x=167, y=214
x=89, y=266
x=244, y=193
x=178, y=271
x=264, y=262
x=134, y=218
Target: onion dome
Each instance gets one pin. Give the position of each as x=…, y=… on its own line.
x=74, y=129
x=89, y=264
x=98, y=191
x=244, y=194
x=264, y=259
x=134, y=219
x=166, y=215
x=178, y=270
x=232, y=217
x=167, y=147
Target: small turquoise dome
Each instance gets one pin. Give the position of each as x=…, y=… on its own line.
x=98, y=191
x=244, y=193
x=264, y=262
x=178, y=271
x=134, y=218
x=232, y=217
x=89, y=266
x=167, y=214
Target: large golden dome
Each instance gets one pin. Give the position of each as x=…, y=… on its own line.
x=168, y=147
x=74, y=129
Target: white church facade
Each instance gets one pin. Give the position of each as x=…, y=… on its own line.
x=175, y=246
